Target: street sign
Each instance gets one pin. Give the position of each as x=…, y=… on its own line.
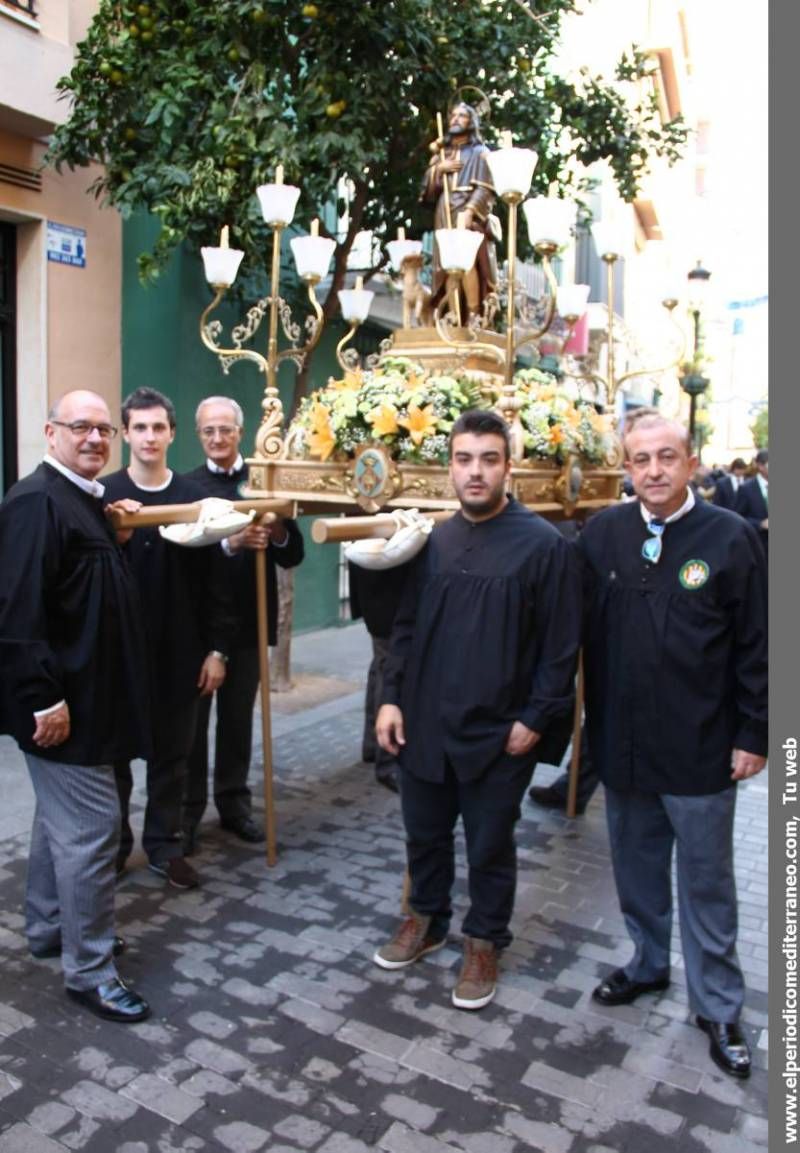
x=66, y=245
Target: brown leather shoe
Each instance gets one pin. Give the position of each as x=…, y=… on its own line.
x=477, y=983
x=411, y=941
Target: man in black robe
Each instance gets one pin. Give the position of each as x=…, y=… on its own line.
x=676, y=703
x=220, y=423
x=190, y=623
x=480, y=669
x=752, y=499
x=460, y=160
x=74, y=696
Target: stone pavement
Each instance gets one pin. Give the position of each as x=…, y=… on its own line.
x=273, y=1030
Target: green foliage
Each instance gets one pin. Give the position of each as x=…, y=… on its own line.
x=760, y=428
x=190, y=105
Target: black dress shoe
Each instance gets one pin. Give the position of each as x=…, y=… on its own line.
x=119, y=946
x=112, y=1000
x=245, y=828
x=388, y=780
x=550, y=798
x=619, y=989
x=728, y=1047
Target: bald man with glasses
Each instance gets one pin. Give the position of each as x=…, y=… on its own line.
x=74, y=696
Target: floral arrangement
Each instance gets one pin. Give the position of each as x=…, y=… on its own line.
x=411, y=411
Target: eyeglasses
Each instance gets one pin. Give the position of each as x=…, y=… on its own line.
x=651, y=549
x=212, y=430
x=83, y=428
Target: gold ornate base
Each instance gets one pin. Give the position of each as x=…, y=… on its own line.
x=427, y=347
x=553, y=490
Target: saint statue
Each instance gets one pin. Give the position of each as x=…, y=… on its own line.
x=460, y=161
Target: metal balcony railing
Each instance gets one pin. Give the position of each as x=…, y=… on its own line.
x=26, y=6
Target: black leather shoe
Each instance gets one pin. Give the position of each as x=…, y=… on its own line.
x=388, y=780
x=619, y=989
x=245, y=828
x=119, y=946
x=550, y=798
x=728, y=1047
x=112, y=1000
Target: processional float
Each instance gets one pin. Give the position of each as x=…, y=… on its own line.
x=376, y=440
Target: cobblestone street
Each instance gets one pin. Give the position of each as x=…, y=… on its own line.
x=273, y=1031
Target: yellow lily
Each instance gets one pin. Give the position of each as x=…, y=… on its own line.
x=383, y=420
x=420, y=422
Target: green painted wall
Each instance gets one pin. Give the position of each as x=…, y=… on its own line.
x=161, y=348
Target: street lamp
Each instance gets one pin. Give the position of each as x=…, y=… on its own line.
x=693, y=383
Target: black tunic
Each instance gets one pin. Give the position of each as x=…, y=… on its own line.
x=70, y=624
x=241, y=567
x=487, y=634
x=188, y=607
x=676, y=652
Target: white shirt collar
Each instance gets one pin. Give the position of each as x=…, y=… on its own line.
x=93, y=487
x=763, y=484
x=687, y=506
x=212, y=466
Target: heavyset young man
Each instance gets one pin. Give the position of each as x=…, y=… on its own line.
x=481, y=665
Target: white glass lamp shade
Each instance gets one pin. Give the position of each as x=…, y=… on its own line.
x=607, y=239
x=571, y=299
x=549, y=221
x=399, y=250
x=355, y=304
x=221, y=265
x=312, y=255
x=458, y=248
x=278, y=202
x=512, y=171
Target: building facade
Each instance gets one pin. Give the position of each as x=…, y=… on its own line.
x=60, y=252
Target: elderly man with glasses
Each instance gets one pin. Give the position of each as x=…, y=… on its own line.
x=676, y=703
x=74, y=696
x=220, y=423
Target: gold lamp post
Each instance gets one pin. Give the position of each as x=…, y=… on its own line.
x=312, y=256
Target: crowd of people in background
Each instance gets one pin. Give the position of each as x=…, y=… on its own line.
x=114, y=644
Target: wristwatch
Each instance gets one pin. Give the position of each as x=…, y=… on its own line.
x=220, y=656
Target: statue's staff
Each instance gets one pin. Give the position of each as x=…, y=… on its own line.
x=445, y=186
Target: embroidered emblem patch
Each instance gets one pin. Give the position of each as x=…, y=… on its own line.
x=694, y=574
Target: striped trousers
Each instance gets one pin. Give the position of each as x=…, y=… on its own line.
x=71, y=876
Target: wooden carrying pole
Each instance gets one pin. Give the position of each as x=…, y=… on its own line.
x=266, y=704
x=156, y=514
x=575, y=759
x=335, y=529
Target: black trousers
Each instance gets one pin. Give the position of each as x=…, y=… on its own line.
x=489, y=808
x=173, y=734
x=370, y=749
x=233, y=744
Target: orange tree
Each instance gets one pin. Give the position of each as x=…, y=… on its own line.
x=190, y=104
